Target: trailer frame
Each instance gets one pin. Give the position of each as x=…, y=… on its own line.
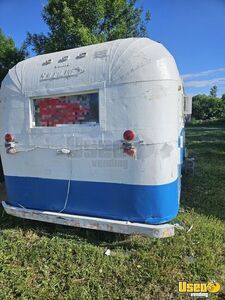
x=116, y=226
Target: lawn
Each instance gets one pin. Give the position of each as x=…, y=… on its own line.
x=44, y=261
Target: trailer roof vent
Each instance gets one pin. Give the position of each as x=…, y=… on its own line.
x=47, y=62
x=81, y=55
x=64, y=58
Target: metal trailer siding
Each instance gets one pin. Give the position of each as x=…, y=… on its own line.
x=140, y=89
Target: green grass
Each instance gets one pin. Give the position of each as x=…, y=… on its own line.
x=46, y=261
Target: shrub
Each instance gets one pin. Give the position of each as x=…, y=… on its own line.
x=208, y=107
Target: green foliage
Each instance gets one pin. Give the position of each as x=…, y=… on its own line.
x=9, y=54
x=83, y=22
x=213, y=91
x=47, y=261
x=223, y=97
x=208, y=107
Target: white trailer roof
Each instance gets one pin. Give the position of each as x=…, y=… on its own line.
x=115, y=62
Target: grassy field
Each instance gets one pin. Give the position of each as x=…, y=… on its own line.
x=42, y=261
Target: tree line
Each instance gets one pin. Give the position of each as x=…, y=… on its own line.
x=208, y=107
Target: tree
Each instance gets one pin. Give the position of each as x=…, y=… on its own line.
x=223, y=97
x=207, y=107
x=213, y=91
x=83, y=22
x=9, y=54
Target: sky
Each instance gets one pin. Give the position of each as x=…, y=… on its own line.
x=192, y=30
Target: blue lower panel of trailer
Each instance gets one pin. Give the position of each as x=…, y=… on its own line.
x=136, y=203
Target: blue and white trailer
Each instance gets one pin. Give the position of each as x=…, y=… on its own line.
x=93, y=137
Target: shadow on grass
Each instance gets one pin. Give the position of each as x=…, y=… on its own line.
x=103, y=239
x=51, y=230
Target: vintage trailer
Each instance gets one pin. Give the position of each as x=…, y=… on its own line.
x=93, y=137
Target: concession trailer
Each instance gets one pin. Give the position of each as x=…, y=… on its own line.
x=94, y=137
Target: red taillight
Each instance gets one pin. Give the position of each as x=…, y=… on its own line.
x=8, y=137
x=128, y=135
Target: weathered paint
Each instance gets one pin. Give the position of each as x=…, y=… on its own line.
x=139, y=89
x=154, y=231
